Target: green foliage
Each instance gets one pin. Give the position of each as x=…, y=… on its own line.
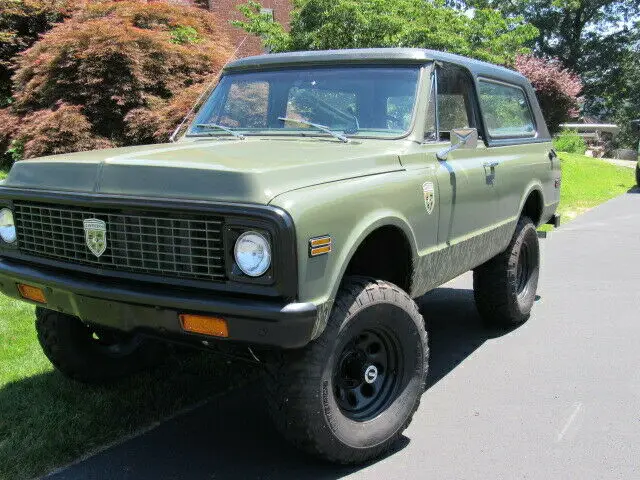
x=76, y=88
x=624, y=100
x=182, y=35
x=334, y=24
x=569, y=29
x=15, y=151
x=597, y=39
x=569, y=141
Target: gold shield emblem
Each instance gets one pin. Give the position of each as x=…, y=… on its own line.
x=95, y=235
x=429, y=192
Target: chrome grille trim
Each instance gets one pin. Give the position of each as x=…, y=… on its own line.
x=184, y=246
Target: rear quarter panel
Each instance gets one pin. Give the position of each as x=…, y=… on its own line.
x=523, y=169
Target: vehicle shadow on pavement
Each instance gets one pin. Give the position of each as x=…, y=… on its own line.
x=232, y=436
x=455, y=329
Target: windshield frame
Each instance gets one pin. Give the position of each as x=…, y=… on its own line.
x=303, y=133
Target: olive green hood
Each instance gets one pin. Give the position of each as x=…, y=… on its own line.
x=254, y=170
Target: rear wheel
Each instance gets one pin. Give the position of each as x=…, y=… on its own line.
x=638, y=175
x=505, y=287
x=90, y=354
x=349, y=395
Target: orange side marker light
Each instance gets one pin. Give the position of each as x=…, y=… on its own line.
x=34, y=294
x=213, y=326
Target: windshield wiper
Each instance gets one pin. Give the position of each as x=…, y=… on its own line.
x=325, y=129
x=221, y=127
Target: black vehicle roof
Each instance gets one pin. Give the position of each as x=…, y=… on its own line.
x=377, y=56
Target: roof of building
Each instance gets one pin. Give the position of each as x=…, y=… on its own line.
x=374, y=55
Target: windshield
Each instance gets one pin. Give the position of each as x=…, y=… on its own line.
x=361, y=101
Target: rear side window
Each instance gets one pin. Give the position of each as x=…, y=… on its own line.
x=506, y=110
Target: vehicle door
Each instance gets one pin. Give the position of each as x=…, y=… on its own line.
x=519, y=155
x=468, y=198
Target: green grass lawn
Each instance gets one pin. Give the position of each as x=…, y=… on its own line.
x=588, y=182
x=47, y=421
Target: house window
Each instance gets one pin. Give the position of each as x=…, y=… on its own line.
x=268, y=11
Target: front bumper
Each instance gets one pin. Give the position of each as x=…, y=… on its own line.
x=154, y=310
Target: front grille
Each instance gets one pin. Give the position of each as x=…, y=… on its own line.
x=185, y=246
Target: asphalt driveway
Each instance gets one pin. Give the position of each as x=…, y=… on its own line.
x=557, y=398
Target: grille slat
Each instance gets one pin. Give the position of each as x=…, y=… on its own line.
x=188, y=246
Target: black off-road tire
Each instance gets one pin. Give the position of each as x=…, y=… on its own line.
x=504, y=293
x=638, y=176
x=306, y=396
x=72, y=347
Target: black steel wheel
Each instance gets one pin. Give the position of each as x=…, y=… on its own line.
x=90, y=354
x=505, y=287
x=349, y=395
x=366, y=375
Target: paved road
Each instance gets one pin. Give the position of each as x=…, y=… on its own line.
x=557, y=398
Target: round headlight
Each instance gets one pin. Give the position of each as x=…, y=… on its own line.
x=7, y=227
x=252, y=253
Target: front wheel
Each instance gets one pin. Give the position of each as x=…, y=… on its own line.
x=349, y=395
x=505, y=286
x=89, y=354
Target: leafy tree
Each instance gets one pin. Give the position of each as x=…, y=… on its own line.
x=482, y=33
x=557, y=88
x=570, y=29
x=83, y=84
x=626, y=99
x=330, y=24
x=21, y=23
x=598, y=39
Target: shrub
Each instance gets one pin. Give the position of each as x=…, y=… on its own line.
x=8, y=127
x=21, y=23
x=110, y=64
x=569, y=141
x=557, y=88
x=152, y=125
x=58, y=130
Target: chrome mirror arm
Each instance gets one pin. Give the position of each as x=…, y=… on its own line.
x=444, y=153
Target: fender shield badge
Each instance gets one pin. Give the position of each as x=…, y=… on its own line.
x=429, y=192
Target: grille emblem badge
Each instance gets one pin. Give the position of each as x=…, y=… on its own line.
x=95, y=235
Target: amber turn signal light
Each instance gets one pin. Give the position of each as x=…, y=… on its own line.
x=34, y=294
x=214, y=326
x=319, y=246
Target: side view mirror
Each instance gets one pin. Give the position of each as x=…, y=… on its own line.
x=460, y=138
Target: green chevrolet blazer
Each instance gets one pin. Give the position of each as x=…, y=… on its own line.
x=312, y=199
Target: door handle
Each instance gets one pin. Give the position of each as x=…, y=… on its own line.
x=491, y=164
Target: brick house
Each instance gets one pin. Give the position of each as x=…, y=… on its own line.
x=227, y=11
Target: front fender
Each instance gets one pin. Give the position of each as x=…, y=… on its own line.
x=349, y=211
x=368, y=224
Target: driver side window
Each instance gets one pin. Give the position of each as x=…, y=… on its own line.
x=452, y=107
